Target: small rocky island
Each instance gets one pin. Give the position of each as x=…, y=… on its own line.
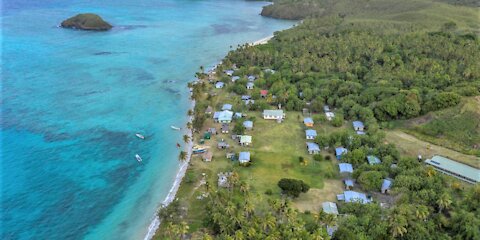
x=87, y=21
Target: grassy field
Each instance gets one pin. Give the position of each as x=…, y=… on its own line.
x=412, y=146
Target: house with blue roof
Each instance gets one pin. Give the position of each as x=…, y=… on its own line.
x=310, y=134
x=352, y=196
x=358, y=126
x=229, y=72
x=238, y=115
x=246, y=97
x=360, y=133
x=308, y=121
x=248, y=125
x=345, y=167
x=227, y=107
x=250, y=85
x=219, y=85
x=249, y=102
x=339, y=151
x=313, y=148
x=348, y=183
x=225, y=116
x=372, y=160
x=251, y=78
x=235, y=78
x=244, y=157
x=386, y=185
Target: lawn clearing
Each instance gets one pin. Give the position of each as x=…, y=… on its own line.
x=411, y=146
x=312, y=200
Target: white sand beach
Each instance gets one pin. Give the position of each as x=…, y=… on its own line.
x=262, y=41
x=178, y=180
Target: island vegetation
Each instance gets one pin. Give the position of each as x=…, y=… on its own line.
x=86, y=21
x=409, y=68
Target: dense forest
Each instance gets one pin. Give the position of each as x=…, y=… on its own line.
x=364, y=71
x=375, y=61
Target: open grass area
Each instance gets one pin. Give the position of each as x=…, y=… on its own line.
x=412, y=146
x=311, y=201
x=456, y=128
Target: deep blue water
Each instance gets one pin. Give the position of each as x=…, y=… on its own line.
x=72, y=101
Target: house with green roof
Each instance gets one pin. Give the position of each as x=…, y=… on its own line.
x=455, y=169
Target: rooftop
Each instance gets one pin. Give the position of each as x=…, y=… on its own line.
x=345, y=167
x=313, y=146
x=352, y=196
x=310, y=132
x=308, y=120
x=330, y=207
x=244, y=157
x=248, y=124
x=340, y=150
x=358, y=124
x=372, y=160
x=386, y=184
x=273, y=112
x=453, y=167
x=245, y=139
x=227, y=107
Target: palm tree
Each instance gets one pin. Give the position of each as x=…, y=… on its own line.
x=248, y=207
x=422, y=212
x=244, y=187
x=230, y=208
x=398, y=225
x=186, y=138
x=189, y=125
x=190, y=112
x=183, y=229
x=182, y=156
x=444, y=202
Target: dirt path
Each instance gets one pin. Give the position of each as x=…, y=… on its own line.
x=412, y=146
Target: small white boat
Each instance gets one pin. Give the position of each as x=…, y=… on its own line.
x=139, y=159
x=139, y=135
x=175, y=128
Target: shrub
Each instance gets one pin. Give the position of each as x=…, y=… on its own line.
x=318, y=157
x=328, y=157
x=269, y=192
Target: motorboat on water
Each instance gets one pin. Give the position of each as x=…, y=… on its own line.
x=139, y=135
x=139, y=159
x=175, y=128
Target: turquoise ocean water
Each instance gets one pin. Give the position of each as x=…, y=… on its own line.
x=72, y=101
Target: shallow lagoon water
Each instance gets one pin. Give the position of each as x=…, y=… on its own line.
x=73, y=100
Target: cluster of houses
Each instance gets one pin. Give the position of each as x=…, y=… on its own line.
x=225, y=118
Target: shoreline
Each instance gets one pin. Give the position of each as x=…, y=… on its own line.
x=262, y=41
x=155, y=224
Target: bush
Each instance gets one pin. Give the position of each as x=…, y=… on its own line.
x=328, y=157
x=269, y=192
x=293, y=187
x=301, y=159
x=318, y=157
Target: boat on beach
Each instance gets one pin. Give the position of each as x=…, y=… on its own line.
x=198, y=149
x=139, y=159
x=175, y=128
x=139, y=135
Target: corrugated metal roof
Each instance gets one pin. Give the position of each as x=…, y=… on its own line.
x=455, y=167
